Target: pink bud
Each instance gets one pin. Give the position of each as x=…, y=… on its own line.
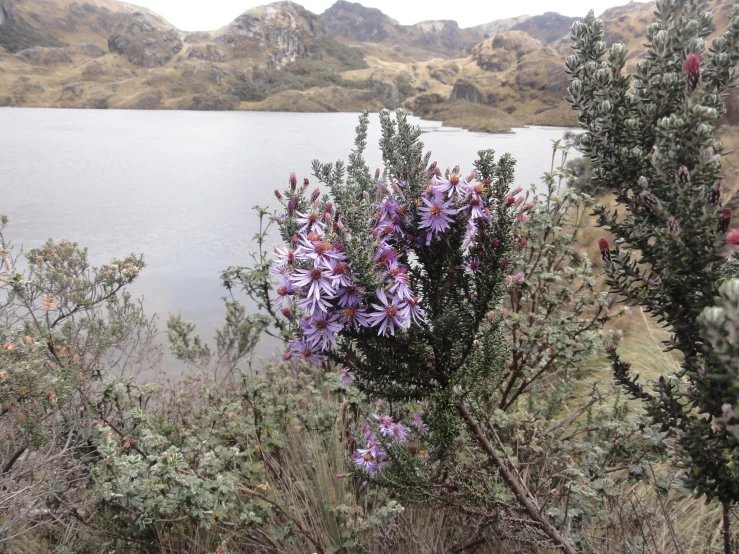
x=278, y=195
x=733, y=236
x=287, y=355
x=293, y=180
x=692, y=69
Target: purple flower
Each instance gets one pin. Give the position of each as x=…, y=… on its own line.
x=472, y=265
x=319, y=252
x=399, y=281
x=284, y=291
x=400, y=432
x=453, y=186
x=310, y=222
x=282, y=258
x=319, y=284
x=390, y=314
x=354, y=316
x=370, y=459
x=305, y=351
x=349, y=296
x=346, y=379
x=321, y=329
x=340, y=274
x=386, y=424
x=435, y=215
x=423, y=430
x=415, y=311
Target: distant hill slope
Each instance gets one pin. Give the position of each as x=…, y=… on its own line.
x=110, y=54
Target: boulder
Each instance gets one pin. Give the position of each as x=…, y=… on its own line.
x=145, y=40
x=91, y=50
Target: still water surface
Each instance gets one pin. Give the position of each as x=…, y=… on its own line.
x=179, y=186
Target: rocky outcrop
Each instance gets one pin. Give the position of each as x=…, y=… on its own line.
x=145, y=40
x=357, y=24
x=208, y=52
x=504, y=50
x=548, y=27
x=17, y=34
x=465, y=90
x=91, y=50
x=276, y=34
x=354, y=21
x=490, y=29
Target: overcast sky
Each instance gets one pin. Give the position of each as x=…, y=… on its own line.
x=199, y=15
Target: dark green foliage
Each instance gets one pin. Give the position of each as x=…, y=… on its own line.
x=651, y=139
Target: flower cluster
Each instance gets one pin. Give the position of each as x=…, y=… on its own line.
x=373, y=456
x=317, y=285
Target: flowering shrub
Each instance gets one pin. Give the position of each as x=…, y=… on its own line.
x=396, y=277
x=652, y=142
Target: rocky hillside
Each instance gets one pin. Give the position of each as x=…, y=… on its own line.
x=109, y=54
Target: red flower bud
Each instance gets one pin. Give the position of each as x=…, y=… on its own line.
x=723, y=221
x=733, y=237
x=522, y=244
x=692, y=69
x=287, y=313
x=315, y=195
x=495, y=242
x=278, y=195
x=293, y=181
x=605, y=252
x=505, y=262
x=329, y=206
x=715, y=195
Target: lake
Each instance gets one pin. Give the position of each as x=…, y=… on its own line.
x=179, y=187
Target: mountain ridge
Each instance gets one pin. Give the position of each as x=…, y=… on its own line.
x=281, y=56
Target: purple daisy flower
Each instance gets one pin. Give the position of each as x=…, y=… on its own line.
x=423, y=429
x=390, y=314
x=400, y=432
x=398, y=278
x=415, y=311
x=350, y=296
x=453, y=186
x=340, y=274
x=321, y=330
x=355, y=317
x=472, y=265
x=319, y=284
x=346, y=379
x=310, y=222
x=319, y=252
x=284, y=291
x=435, y=215
x=305, y=351
x=386, y=424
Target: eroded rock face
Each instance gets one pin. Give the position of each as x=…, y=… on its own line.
x=145, y=41
x=282, y=32
x=465, y=90
x=504, y=50
x=208, y=52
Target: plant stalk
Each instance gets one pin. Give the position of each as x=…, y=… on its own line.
x=519, y=489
